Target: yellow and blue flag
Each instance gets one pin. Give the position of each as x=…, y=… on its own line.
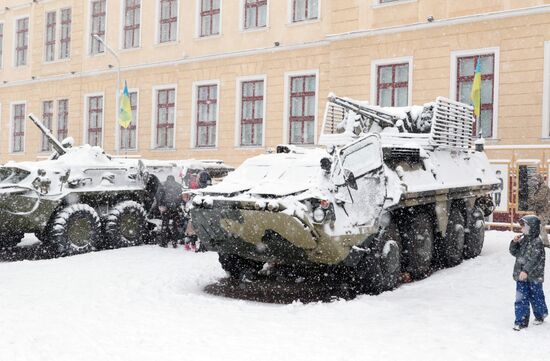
x=125, y=111
x=475, y=95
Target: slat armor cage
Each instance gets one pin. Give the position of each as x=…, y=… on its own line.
x=452, y=125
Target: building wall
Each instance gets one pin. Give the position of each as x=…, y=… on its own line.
x=340, y=47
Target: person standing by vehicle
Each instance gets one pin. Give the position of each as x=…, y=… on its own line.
x=204, y=179
x=529, y=273
x=170, y=202
x=540, y=203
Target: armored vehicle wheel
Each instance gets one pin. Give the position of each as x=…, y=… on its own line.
x=10, y=240
x=453, y=243
x=126, y=225
x=418, y=244
x=473, y=243
x=237, y=267
x=75, y=228
x=381, y=268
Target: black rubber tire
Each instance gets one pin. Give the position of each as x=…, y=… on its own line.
x=380, y=268
x=74, y=229
x=8, y=241
x=237, y=266
x=475, y=236
x=452, y=246
x=418, y=244
x=126, y=225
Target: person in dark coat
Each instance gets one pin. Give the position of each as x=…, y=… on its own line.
x=169, y=203
x=529, y=273
x=539, y=200
x=204, y=179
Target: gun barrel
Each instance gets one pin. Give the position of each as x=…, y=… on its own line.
x=378, y=115
x=56, y=144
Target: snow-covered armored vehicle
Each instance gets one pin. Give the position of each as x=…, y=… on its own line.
x=396, y=190
x=78, y=199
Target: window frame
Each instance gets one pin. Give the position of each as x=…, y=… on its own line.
x=86, y=117
x=135, y=124
x=211, y=14
x=67, y=40
x=158, y=19
x=51, y=43
x=242, y=25
x=12, y=128
x=238, y=111
x=14, y=44
x=546, y=93
x=2, y=36
x=287, y=107
x=91, y=39
x=154, y=121
x=194, y=113
x=59, y=130
x=122, y=42
x=496, y=79
x=380, y=4
x=375, y=64
x=291, y=7
x=45, y=145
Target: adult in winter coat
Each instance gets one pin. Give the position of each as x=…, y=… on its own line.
x=169, y=204
x=540, y=203
x=204, y=179
x=529, y=273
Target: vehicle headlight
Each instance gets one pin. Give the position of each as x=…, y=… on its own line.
x=318, y=215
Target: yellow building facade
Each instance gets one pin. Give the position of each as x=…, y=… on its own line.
x=228, y=79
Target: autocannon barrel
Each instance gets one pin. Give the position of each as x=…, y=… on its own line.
x=379, y=116
x=56, y=144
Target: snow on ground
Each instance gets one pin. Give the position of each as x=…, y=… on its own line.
x=147, y=303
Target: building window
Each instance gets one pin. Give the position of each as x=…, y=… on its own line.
x=166, y=104
x=1, y=43
x=207, y=114
x=128, y=135
x=252, y=112
x=18, y=128
x=210, y=17
x=302, y=109
x=65, y=34
x=255, y=14
x=305, y=10
x=168, y=20
x=132, y=13
x=466, y=66
x=47, y=117
x=98, y=26
x=22, y=41
x=392, y=86
x=95, y=120
x=49, y=39
x=62, y=119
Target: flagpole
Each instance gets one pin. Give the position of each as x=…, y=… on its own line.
x=110, y=50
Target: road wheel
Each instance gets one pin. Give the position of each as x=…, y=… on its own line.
x=476, y=235
x=380, y=269
x=418, y=244
x=74, y=229
x=238, y=267
x=126, y=225
x=452, y=246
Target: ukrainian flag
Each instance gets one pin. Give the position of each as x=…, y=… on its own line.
x=475, y=95
x=125, y=112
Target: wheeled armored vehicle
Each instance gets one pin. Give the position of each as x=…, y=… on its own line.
x=81, y=198
x=395, y=192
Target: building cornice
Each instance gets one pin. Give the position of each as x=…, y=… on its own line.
x=542, y=9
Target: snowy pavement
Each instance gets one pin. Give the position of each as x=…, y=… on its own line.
x=147, y=303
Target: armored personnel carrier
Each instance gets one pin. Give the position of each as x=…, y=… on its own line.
x=79, y=199
x=396, y=191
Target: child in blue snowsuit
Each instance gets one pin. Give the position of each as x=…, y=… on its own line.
x=529, y=273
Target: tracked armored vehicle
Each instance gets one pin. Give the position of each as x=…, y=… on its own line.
x=79, y=199
x=396, y=191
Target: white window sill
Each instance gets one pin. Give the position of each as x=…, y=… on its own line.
x=208, y=149
x=163, y=150
x=252, y=30
x=249, y=147
x=166, y=43
x=303, y=22
x=207, y=37
x=57, y=61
